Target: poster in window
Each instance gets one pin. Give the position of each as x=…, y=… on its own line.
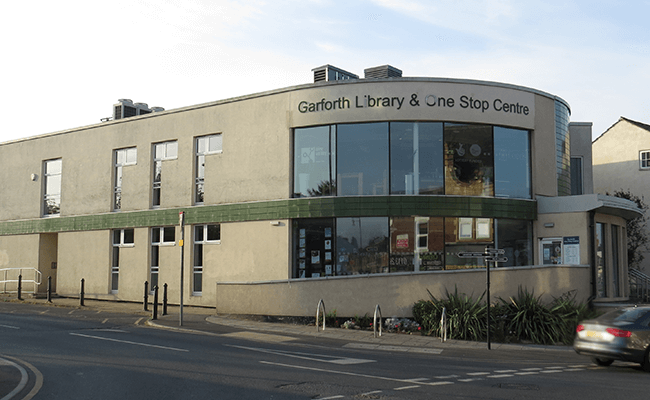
x=302, y=273
x=328, y=245
x=315, y=275
x=403, y=241
x=328, y=270
x=303, y=243
x=315, y=257
x=328, y=256
x=303, y=233
x=302, y=264
x=302, y=253
x=483, y=228
x=328, y=232
x=571, y=250
x=465, y=228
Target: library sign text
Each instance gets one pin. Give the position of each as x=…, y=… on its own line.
x=397, y=102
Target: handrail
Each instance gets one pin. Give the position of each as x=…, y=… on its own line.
x=374, y=321
x=8, y=278
x=443, y=325
x=321, y=304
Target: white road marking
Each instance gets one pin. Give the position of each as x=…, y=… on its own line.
x=551, y=371
x=23, y=378
x=393, y=348
x=418, y=379
x=369, y=393
x=309, y=356
x=105, y=320
x=470, y=379
x=527, y=373
x=407, y=387
x=531, y=369
x=501, y=376
x=447, y=377
x=129, y=342
x=332, y=397
x=506, y=371
x=477, y=373
x=10, y=327
x=384, y=378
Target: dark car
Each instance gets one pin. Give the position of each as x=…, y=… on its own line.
x=622, y=334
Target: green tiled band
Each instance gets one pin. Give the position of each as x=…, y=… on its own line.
x=314, y=207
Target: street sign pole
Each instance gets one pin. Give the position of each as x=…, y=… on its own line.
x=487, y=263
x=181, y=221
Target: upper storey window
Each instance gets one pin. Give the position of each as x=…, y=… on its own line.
x=373, y=159
x=644, y=159
x=52, y=187
x=161, y=152
x=123, y=157
x=205, y=145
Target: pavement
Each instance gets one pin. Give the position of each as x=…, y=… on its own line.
x=200, y=320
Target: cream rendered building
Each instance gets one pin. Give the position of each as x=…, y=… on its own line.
x=622, y=162
x=360, y=192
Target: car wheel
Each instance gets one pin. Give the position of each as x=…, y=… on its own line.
x=603, y=362
x=646, y=360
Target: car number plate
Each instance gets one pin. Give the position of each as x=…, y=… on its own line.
x=594, y=334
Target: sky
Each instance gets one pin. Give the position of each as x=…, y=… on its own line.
x=67, y=62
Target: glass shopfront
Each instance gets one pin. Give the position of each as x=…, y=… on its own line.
x=412, y=158
x=373, y=245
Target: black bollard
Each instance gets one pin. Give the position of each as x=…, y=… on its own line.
x=20, y=287
x=49, y=289
x=81, y=295
x=155, y=303
x=146, y=295
x=164, y=299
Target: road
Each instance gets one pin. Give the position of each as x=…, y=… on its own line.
x=78, y=354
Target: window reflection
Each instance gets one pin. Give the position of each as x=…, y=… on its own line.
x=415, y=158
x=362, y=159
x=314, y=161
x=469, y=160
x=511, y=163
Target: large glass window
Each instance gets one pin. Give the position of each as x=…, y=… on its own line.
x=370, y=245
x=466, y=234
x=416, y=158
x=416, y=244
x=412, y=158
x=511, y=163
x=315, y=249
x=469, y=160
x=362, y=159
x=515, y=237
x=52, y=187
x=315, y=161
x=362, y=245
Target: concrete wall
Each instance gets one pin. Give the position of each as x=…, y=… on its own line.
x=395, y=294
x=581, y=147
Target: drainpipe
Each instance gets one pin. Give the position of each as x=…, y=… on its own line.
x=592, y=258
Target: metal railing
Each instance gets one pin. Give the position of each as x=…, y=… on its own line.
x=320, y=306
x=443, y=325
x=639, y=286
x=374, y=321
x=11, y=276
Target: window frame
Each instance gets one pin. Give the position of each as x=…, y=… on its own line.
x=156, y=182
x=49, y=196
x=197, y=270
x=644, y=160
x=199, y=156
x=119, y=173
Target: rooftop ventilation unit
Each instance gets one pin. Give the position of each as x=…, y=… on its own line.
x=383, y=71
x=331, y=73
x=125, y=108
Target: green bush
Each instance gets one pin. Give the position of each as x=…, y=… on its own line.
x=520, y=318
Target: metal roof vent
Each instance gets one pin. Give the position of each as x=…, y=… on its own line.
x=331, y=73
x=125, y=108
x=383, y=71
